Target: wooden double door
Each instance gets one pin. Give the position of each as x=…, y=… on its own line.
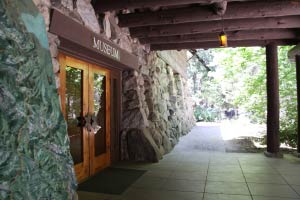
x=85, y=99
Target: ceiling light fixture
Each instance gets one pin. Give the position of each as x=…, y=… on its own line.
x=223, y=39
x=223, y=36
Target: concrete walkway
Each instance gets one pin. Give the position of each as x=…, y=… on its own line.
x=204, y=137
x=199, y=169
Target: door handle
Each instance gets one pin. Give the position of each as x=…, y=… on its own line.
x=91, y=123
x=81, y=122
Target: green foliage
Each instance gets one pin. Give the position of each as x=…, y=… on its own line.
x=206, y=114
x=246, y=67
x=206, y=90
x=200, y=64
x=240, y=81
x=288, y=98
x=243, y=76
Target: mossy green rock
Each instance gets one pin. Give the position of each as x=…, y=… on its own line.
x=35, y=161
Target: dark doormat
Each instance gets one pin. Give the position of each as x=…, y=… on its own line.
x=111, y=181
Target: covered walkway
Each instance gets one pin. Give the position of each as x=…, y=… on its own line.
x=195, y=172
x=89, y=81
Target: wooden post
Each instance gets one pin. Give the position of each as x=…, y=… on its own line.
x=298, y=99
x=273, y=144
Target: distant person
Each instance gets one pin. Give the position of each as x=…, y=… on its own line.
x=229, y=114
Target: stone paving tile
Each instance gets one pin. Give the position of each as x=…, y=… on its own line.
x=167, y=162
x=171, y=158
x=195, y=162
x=249, y=163
x=224, y=161
x=264, y=178
x=226, y=188
x=141, y=194
x=149, y=182
x=130, y=165
x=292, y=170
x=224, y=168
x=272, y=198
x=197, y=176
x=97, y=196
x=160, y=166
x=226, y=177
x=279, y=163
x=175, y=195
x=297, y=189
x=208, y=196
x=187, y=172
x=138, y=194
x=259, y=170
x=257, y=167
x=191, y=169
x=272, y=190
x=184, y=185
x=158, y=173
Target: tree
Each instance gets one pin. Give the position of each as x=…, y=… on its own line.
x=244, y=80
x=206, y=90
x=240, y=81
x=200, y=65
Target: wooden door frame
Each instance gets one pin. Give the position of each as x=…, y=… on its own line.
x=105, y=159
x=114, y=74
x=90, y=164
x=82, y=169
x=116, y=136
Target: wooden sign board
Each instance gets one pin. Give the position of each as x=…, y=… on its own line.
x=74, y=32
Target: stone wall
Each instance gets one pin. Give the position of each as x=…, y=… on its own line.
x=156, y=109
x=35, y=159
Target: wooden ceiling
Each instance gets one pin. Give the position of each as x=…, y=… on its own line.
x=192, y=24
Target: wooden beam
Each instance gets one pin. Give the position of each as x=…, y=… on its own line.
x=272, y=99
x=215, y=44
x=293, y=52
x=270, y=34
x=110, y=5
x=220, y=7
x=235, y=10
x=298, y=99
x=216, y=26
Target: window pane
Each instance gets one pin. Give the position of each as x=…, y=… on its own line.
x=100, y=113
x=74, y=112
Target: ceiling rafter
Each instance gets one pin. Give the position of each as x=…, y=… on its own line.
x=215, y=44
x=110, y=5
x=264, y=34
x=192, y=24
x=220, y=8
x=235, y=10
x=216, y=26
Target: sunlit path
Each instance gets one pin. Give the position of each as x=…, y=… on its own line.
x=219, y=136
x=231, y=129
x=203, y=137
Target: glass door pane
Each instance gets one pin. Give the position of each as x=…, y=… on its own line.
x=74, y=113
x=99, y=88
